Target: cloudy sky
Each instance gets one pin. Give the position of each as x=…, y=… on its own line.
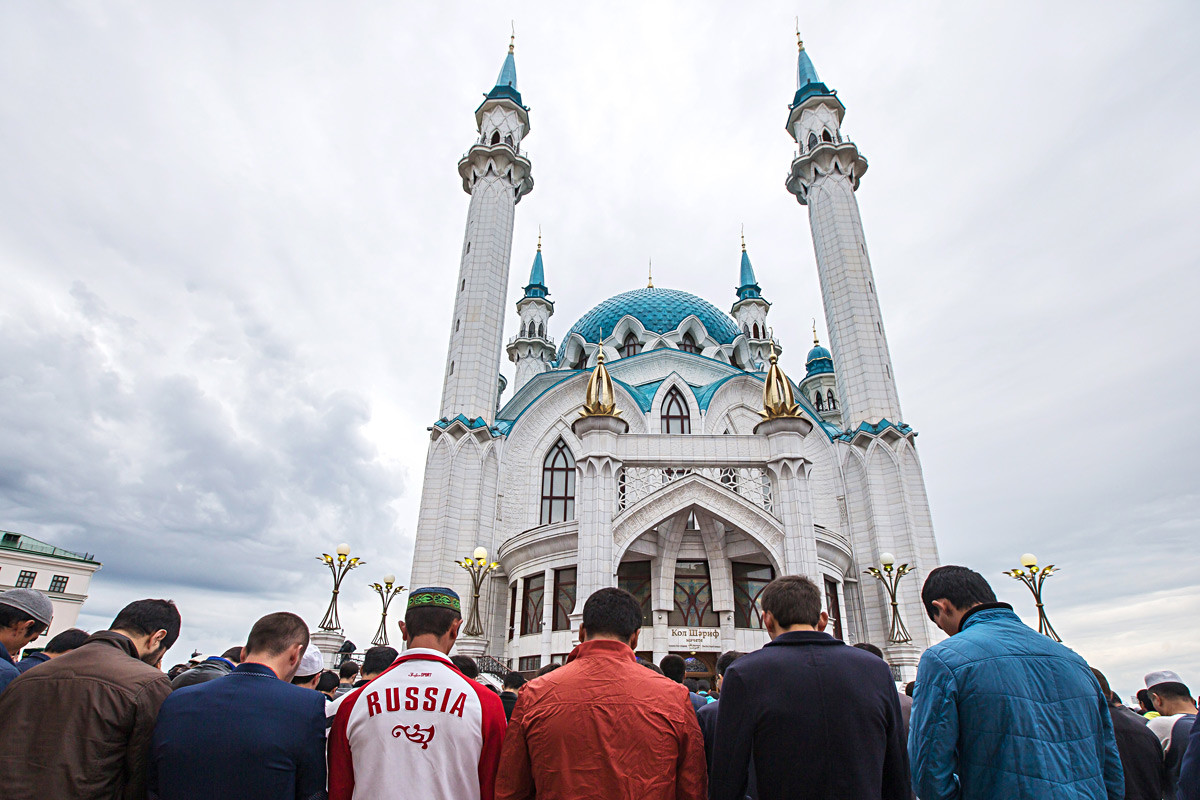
x=229, y=234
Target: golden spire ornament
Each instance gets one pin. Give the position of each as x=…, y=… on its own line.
x=778, y=400
x=601, y=399
x=650, y=275
x=816, y=341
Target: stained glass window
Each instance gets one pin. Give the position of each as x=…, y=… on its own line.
x=693, y=596
x=558, y=485
x=748, y=582
x=531, y=608
x=634, y=577
x=631, y=346
x=688, y=344
x=564, y=598
x=675, y=417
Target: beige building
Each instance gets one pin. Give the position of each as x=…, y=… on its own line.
x=61, y=575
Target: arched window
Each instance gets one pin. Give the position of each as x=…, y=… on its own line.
x=812, y=141
x=631, y=346
x=541, y=331
x=558, y=485
x=508, y=141
x=687, y=344
x=496, y=137
x=675, y=417
x=825, y=137
x=818, y=401
x=579, y=362
x=831, y=401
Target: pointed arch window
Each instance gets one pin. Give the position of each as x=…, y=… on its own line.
x=675, y=416
x=558, y=485
x=830, y=400
x=541, y=331
x=496, y=137
x=631, y=346
x=812, y=141
x=818, y=401
x=825, y=137
x=688, y=344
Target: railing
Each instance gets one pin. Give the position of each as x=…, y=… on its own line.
x=18, y=541
x=752, y=483
x=492, y=666
x=545, y=339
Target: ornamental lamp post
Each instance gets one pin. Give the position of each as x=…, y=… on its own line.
x=477, y=564
x=889, y=577
x=339, y=567
x=1034, y=579
x=387, y=594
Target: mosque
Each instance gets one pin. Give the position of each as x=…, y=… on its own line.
x=660, y=446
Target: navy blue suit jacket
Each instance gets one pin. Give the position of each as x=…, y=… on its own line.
x=247, y=734
x=818, y=718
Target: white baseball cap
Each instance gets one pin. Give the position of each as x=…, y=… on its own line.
x=1162, y=676
x=311, y=662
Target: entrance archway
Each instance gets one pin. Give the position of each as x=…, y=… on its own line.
x=702, y=667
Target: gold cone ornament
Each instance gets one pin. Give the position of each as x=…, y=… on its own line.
x=778, y=400
x=601, y=401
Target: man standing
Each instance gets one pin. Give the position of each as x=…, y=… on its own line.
x=250, y=734
x=1189, y=773
x=24, y=615
x=63, y=642
x=602, y=726
x=675, y=668
x=208, y=669
x=1141, y=752
x=79, y=726
x=1173, y=701
x=312, y=664
x=513, y=682
x=707, y=717
x=980, y=726
x=347, y=672
x=375, y=661
x=818, y=718
x=420, y=729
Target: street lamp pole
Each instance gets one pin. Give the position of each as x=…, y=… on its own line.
x=478, y=566
x=339, y=567
x=1034, y=580
x=387, y=594
x=889, y=577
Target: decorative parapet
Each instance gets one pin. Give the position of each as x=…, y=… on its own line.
x=752, y=483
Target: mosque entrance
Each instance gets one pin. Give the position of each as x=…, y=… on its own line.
x=702, y=667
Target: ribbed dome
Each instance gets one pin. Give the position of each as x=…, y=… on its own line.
x=659, y=310
x=819, y=361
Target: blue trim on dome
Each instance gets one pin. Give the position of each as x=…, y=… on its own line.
x=659, y=310
x=819, y=362
x=876, y=429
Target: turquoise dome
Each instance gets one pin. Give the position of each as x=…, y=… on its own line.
x=659, y=310
x=819, y=361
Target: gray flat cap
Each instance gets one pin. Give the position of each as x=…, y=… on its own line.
x=31, y=601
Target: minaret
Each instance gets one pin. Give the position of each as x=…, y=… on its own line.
x=496, y=176
x=531, y=349
x=824, y=176
x=819, y=385
x=750, y=311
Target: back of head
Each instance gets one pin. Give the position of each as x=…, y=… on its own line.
x=466, y=665
x=67, y=641
x=377, y=659
x=612, y=612
x=870, y=648
x=347, y=670
x=674, y=667
x=963, y=587
x=233, y=654
x=692, y=684
x=144, y=617
x=547, y=668
x=910, y=687
x=650, y=665
x=792, y=600
x=328, y=682
x=275, y=633
x=429, y=620
x=1143, y=696
x=727, y=658
x=513, y=681
x=27, y=609
x=1172, y=690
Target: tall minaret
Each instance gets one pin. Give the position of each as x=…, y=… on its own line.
x=824, y=177
x=496, y=176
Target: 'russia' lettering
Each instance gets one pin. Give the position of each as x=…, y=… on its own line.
x=413, y=700
x=392, y=697
x=410, y=698
x=373, y=704
x=431, y=698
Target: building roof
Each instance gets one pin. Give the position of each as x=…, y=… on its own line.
x=807, y=83
x=537, y=277
x=819, y=361
x=28, y=544
x=506, y=82
x=659, y=310
x=749, y=285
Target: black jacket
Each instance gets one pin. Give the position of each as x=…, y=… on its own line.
x=509, y=698
x=1141, y=755
x=207, y=670
x=820, y=720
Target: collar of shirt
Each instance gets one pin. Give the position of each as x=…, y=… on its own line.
x=962, y=623
x=803, y=637
x=254, y=670
x=424, y=651
x=602, y=648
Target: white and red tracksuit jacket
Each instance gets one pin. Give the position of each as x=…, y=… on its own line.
x=421, y=729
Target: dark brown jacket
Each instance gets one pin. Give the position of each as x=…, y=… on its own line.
x=79, y=726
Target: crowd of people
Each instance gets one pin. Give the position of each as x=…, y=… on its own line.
x=997, y=711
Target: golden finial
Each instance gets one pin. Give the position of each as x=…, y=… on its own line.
x=650, y=275
x=778, y=399
x=600, y=400
x=743, y=237
x=513, y=39
x=799, y=41
x=815, y=339
x=540, y=250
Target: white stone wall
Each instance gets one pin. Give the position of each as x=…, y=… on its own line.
x=67, y=603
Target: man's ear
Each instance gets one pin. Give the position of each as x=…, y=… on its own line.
x=404, y=631
x=823, y=621
x=454, y=626
x=633, y=640
x=156, y=639
x=769, y=622
x=295, y=653
x=582, y=634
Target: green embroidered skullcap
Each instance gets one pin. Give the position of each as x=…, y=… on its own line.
x=436, y=596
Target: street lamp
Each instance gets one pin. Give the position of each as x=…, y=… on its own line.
x=889, y=577
x=477, y=564
x=339, y=567
x=1034, y=579
x=386, y=594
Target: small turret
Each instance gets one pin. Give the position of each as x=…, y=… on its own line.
x=531, y=349
x=750, y=311
x=820, y=381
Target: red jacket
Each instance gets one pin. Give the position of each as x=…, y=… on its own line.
x=604, y=727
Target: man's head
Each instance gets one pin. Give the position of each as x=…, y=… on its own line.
x=1169, y=694
x=546, y=668
x=233, y=654
x=376, y=660
x=612, y=614
x=328, y=683
x=513, y=682
x=277, y=641
x=65, y=642
x=152, y=626
x=1105, y=689
x=347, y=672
x=792, y=603
x=466, y=665
x=723, y=662
x=674, y=667
x=25, y=614
x=950, y=592
x=312, y=664
x=870, y=648
x=432, y=619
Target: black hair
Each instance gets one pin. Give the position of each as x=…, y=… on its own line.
x=275, y=633
x=910, y=687
x=650, y=665
x=963, y=587
x=514, y=681
x=145, y=617
x=348, y=670
x=870, y=648
x=466, y=665
x=1171, y=689
x=1143, y=696
x=301, y=680
x=674, y=667
x=727, y=658
x=547, y=668
x=792, y=600
x=434, y=620
x=1105, y=689
x=377, y=659
x=233, y=654
x=10, y=616
x=612, y=611
x=692, y=684
x=66, y=641
x=329, y=681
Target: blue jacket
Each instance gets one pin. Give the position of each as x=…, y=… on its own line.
x=8, y=670
x=1189, y=772
x=248, y=734
x=30, y=661
x=1001, y=711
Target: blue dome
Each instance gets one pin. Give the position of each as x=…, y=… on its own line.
x=659, y=310
x=819, y=361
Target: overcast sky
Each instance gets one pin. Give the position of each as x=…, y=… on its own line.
x=229, y=234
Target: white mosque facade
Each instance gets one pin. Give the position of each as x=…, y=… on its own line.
x=685, y=495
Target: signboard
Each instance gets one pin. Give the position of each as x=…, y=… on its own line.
x=694, y=639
